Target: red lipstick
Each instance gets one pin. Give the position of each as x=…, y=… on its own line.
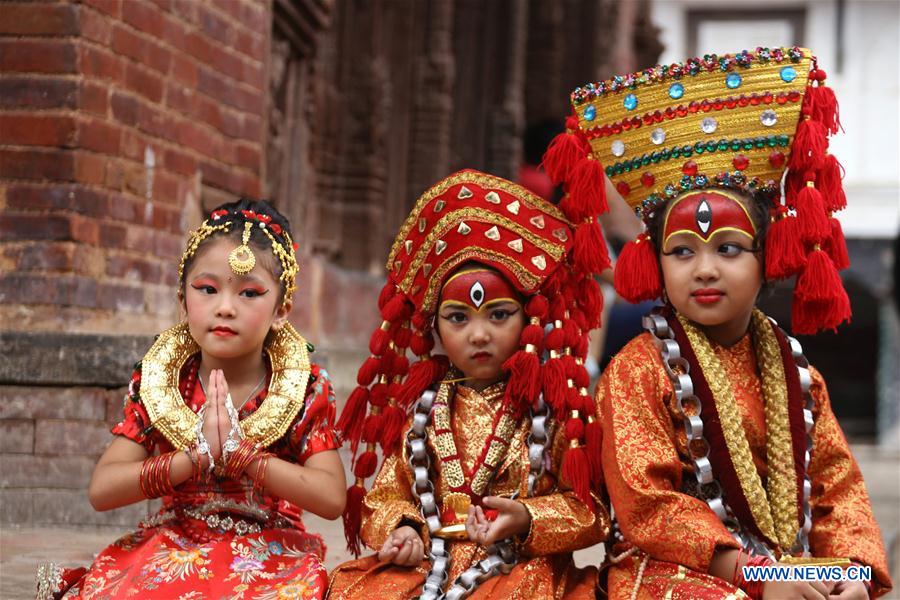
x=707, y=295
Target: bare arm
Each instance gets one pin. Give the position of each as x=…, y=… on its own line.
x=318, y=486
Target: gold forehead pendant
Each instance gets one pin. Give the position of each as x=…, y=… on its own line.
x=241, y=259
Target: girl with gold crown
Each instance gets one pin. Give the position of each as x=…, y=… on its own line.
x=231, y=425
x=720, y=449
x=491, y=471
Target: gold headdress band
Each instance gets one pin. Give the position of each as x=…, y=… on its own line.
x=241, y=259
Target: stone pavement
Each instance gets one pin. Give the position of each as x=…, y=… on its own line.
x=21, y=549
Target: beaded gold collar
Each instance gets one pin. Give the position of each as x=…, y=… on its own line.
x=289, y=359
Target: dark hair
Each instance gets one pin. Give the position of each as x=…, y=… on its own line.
x=236, y=213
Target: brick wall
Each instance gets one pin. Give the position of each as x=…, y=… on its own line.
x=119, y=118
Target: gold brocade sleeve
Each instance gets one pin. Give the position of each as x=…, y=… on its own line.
x=642, y=463
x=560, y=521
x=843, y=524
x=389, y=503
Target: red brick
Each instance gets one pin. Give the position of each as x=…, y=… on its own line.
x=248, y=44
x=124, y=108
x=72, y=438
x=199, y=47
x=30, y=471
x=165, y=5
x=30, y=18
x=254, y=75
x=30, y=402
x=110, y=7
x=99, y=136
x=184, y=70
x=101, y=64
x=180, y=162
x=231, y=123
x=155, y=122
x=133, y=146
x=16, y=437
x=166, y=189
x=118, y=297
x=90, y=168
x=37, y=130
x=200, y=139
x=249, y=157
x=133, y=269
x=217, y=87
x=144, y=17
x=34, y=227
x=215, y=175
x=94, y=26
x=37, y=56
x=38, y=93
x=85, y=230
x=252, y=129
x=168, y=245
x=26, y=288
x=94, y=97
x=123, y=209
x=186, y=9
x=55, y=165
x=213, y=25
x=40, y=198
x=254, y=16
x=141, y=49
x=46, y=257
x=111, y=235
x=144, y=82
x=175, y=33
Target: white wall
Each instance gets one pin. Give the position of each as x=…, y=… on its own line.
x=868, y=87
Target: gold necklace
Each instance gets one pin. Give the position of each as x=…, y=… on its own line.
x=288, y=357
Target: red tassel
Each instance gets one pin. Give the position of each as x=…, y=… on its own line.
x=636, y=276
x=379, y=341
x=819, y=281
x=351, y=420
x=524, y=383
x=823, y=107
x=387, y=292
x=828, y=182
x=397, y=309
x=368, y=371
x=587, y=188
x=590, y=299
x=555, y=339
x=378, y=396
x=574, y=429
x=590, y=254
x=836, y=246
x=576, y=472
x=809, y=147
x=392, y=429
x=402, y=337
x=784, y=248
x=538, y=306
x=553, y=376
x=365, y=464
x=562, y=155
x=580, y=377
x=813, y=223
x=421, y=375
x=572, y=332
x=353, y=518
x=581, y=348
x=534, y=335
x=593, y=445
x=421, y=344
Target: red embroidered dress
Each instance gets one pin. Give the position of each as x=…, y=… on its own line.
x=219, y=538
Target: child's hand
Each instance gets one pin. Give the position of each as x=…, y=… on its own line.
x=403, y=547
x=512, y=519
x=211, y=426
x=849, y=590
x=799, y=590
x=217, y=379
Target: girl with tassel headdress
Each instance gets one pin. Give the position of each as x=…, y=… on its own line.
x=491, y=474
x=720, y=449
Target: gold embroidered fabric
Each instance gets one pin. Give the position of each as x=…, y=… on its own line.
x=561, y=523
x=777, y=501
x=645, y=459
x=289, y=359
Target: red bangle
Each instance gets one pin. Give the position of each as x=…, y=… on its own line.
x=754, y=589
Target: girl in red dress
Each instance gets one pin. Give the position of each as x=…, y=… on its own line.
x=230, y=424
